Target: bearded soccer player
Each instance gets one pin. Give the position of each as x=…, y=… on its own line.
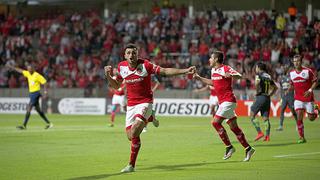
x=34, y=81
x=304, y=82
x=136, y=73
x=221, y=80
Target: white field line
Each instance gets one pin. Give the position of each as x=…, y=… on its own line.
x=13, y=130
x=293, y=155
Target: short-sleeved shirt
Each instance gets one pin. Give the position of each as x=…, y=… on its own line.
x=302, y=82
x=285, y=86
x=34, y=80
x=138, y=81
x=222, y=84
x=265, y=81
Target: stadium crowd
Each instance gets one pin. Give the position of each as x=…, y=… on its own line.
x=70, y=50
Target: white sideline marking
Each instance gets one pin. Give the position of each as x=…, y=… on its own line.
x=292, y=155
x=36, y=130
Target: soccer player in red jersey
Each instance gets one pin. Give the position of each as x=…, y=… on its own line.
x=137, y=73
x=303, y=82
x=213, y=99
x=118, y=98
x=221, y=80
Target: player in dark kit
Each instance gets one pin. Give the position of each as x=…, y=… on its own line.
x=265, y=89
x=287, y=96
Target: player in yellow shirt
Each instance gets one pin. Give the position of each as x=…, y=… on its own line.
x=35, y=80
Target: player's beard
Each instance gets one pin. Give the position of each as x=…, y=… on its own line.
x=133, y=62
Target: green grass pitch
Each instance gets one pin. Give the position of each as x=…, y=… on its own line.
x=83, y=147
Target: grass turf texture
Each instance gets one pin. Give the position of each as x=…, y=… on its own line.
x=83, y=147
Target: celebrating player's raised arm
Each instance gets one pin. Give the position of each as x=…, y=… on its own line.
x=175, y=71
x=113, y=82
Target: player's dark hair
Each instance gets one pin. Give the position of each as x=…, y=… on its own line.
x=297, y=56
x=219, y=55
x=130, y=46
x=262, y=66
x=31, y=64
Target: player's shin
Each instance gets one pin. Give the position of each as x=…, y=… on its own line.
x=267, y=126
x=26, y=119
x=222, y=133
x=300, y=128
x=238, y=132
x=113, y=114
x=135, y=147
x=256, y=124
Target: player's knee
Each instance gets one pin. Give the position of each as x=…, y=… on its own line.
x=113, y=108
x=215, y=122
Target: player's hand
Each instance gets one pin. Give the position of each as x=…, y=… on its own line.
x=191, y=70
x=45, y=94
x=196, y=76
x=10, y=66
x=307, y=93
x=227, y=75
x=107, y=71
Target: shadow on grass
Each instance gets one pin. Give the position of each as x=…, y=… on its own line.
x=100, y=176
x=273, y=145
x=183, y=166
x=176, y=167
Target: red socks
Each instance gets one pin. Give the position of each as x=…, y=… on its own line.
x=113, y=114
x=222, y=133
x=240, y=136
x=135, y=146
x=300, y=128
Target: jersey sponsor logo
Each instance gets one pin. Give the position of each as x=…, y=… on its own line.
x=217, y=78
x=130, y=81
x=299, y=80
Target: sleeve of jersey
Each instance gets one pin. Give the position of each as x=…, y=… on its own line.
x=41, y=79
x=119, y=77
x=25, y=73
x=152, y=68
x=232, y=71
x=312, y=76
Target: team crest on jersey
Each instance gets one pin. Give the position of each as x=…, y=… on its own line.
x=139, y=70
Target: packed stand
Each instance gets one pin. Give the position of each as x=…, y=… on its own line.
x=71, y=50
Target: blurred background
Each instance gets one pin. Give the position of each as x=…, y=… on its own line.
x=71, y=41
